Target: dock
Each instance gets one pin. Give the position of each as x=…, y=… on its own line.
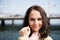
x=21, y=18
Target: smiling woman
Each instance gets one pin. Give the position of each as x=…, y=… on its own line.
x=36, y=25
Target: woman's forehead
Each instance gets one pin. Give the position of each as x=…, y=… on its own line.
x=35, y=13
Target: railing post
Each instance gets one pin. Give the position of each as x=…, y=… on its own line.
x=2, y=24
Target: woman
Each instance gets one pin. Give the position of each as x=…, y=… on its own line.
x=36, y=25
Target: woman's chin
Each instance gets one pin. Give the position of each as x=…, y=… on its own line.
x=35, y=30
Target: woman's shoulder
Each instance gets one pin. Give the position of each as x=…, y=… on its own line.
x=48, y=38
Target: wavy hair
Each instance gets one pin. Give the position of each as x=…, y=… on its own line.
x=44, y=31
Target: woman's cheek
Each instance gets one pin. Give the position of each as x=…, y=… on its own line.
x=30, y=23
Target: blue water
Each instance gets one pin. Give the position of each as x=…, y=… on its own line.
x=11, y=32
x=55, y=35
x=9, y=35
x=13, y=35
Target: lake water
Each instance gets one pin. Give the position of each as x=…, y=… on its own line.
x=11, y=32
x=52, y=21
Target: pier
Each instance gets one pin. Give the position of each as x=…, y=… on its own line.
x=21, y=18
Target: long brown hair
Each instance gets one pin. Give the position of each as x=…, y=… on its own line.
x=44, y=31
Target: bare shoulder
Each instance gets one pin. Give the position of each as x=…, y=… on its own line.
x=48, y=38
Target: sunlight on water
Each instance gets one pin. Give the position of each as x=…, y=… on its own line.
x=15, y=21
x=55, y=21
x=52, y=21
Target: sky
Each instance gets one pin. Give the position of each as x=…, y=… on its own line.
x=13, y=7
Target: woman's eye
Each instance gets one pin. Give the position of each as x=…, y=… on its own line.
x=32, y=19
x=39, y=18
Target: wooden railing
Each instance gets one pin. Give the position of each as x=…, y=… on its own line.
x=21, y=18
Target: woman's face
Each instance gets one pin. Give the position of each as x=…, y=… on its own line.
x=35, y=20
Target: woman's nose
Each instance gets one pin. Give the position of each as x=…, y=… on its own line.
x=36, y=22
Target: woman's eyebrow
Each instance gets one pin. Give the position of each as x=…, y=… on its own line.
x=39, y=18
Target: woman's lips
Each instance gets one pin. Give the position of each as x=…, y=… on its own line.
x=35, y=27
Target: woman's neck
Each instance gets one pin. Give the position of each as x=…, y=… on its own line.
x=34, y=36
x=35, y=33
